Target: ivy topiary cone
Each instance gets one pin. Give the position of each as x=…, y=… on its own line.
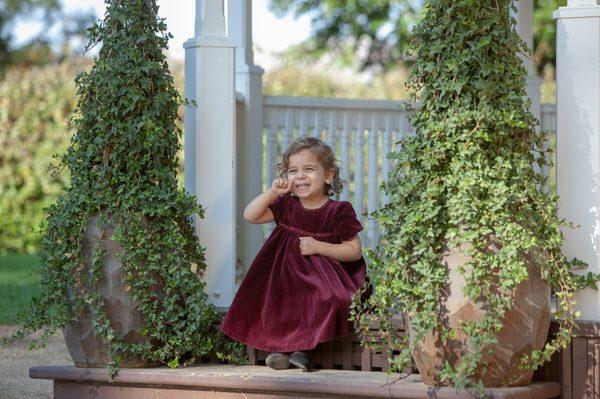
x=120, y=242
x=470, y=214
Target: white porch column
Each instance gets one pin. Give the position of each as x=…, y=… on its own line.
x=249, y=132
x=578, y=136
x=210, y=147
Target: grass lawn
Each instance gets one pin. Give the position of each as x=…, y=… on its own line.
x=18, y=283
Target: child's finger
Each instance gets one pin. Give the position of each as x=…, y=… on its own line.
x=290, y=182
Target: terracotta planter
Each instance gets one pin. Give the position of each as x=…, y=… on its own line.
x=87, y=349
x=525, y=328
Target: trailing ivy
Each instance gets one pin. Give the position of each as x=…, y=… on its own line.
x=468, y=172
x=122, y=162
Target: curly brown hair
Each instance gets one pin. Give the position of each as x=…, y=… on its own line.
x=325, y=156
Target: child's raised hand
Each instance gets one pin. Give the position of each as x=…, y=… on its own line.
x=282, y=185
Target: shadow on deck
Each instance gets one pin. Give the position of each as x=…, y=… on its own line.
x=255, y=382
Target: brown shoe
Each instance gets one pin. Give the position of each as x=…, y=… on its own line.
x=301, y=360
x=278, y=361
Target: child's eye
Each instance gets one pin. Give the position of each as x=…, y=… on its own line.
x=291, y=172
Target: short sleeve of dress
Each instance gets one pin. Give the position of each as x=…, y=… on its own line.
x=278, y=206
x=346, y=224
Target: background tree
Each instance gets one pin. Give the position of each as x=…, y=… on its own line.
x=375, y=33
x=41, y=48
x=544, y=33
x=379, y=28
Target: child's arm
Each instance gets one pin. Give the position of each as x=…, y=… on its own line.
x=257, y=211
x=347, y=251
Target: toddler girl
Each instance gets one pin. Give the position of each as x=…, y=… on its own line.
x=298, y=290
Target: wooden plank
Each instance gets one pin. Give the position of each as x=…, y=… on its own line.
x=327, y=355
x=596, y=368
x=338, y=360
x=556, y=366
x=579, y=367
x=225, y=381
x=251, y=352
x=589, y=381
x=566, y=376
x=317, y=355
x=365, y=359
x=384, y=357
x=347, y=353
x=588, y=329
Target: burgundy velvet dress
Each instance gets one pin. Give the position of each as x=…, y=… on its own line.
x=290, y=302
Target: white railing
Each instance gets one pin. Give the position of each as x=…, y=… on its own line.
x=361, y=133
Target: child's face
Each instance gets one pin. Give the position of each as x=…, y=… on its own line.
x=309, y=175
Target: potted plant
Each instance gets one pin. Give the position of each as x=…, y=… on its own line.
x=471, y=241
x=121, y=265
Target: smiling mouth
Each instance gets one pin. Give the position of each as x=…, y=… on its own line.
x=302, y=186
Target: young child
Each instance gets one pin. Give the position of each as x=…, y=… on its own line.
x=298, y=290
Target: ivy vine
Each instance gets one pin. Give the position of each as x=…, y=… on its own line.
x=122, y=162
x=468, y=172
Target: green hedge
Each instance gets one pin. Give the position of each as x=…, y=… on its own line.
x=35, y=105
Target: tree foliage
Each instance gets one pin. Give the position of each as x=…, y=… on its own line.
x=41, y=49
x=122, y=162
x=298, y=80
x=544, y=32
x=375, y=34
x=466, y=174
x=380, y=29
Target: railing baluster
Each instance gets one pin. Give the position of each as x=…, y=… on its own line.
x=318, y=125
x=405, y=130
x=287, y=130
x=331, y=130
x=373, y=203
x=303, y=130
x=345, y=157
x=272, y=155
x=358, y=168
x=386, y=165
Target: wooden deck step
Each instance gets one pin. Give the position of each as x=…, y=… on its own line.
x=255, y=382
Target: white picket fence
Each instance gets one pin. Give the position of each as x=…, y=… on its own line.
x=361, y=133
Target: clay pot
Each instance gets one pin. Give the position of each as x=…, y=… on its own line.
x=525, y=327
x=87, y=349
